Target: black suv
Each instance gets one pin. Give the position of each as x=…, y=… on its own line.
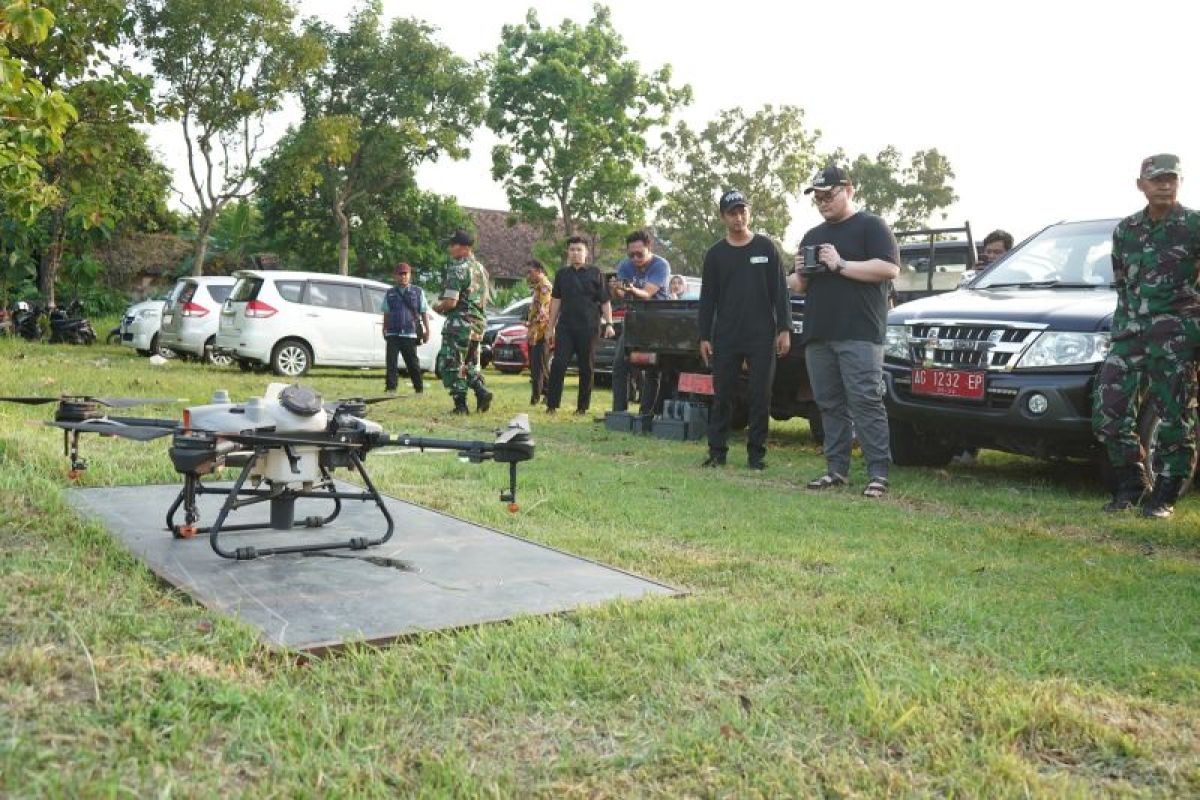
x=1008, y=361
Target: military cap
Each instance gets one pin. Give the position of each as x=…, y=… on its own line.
x=1161, y=164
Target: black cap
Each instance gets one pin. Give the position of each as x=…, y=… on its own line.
x=462, y=237
x=829, y=178
x=732, y=199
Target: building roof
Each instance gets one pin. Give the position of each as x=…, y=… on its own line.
x=503, y=248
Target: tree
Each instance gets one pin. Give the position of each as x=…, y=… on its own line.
x=227, y=66
x=33, y=117
x=383, y=103
x=573, y=112
x=103, y=171
x=407, y=224
x=906, y=196
x=767, y=155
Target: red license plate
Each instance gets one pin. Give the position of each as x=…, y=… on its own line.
x=948, y=383
x=696, y=383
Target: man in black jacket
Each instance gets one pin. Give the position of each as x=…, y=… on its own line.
x=744, y=317
x=578, y=304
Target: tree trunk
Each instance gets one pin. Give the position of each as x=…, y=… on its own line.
x=203, y=229
x=52, y=258
x=343, y=224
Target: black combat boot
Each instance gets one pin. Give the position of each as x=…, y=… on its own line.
x=460, y=404
x=1161, y=503
x=1131, y=486
x=483, y=400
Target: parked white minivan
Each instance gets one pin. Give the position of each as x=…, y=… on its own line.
x=292, y=321
x=140, y=325
x=192, y=314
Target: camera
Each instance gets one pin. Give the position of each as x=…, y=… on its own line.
x=811, y=265
x=627, y=285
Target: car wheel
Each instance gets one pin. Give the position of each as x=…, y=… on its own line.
x=291, y=358
x=211, y=357
x=165, y=352
x=910, y=449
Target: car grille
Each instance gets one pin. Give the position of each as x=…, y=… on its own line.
x=959, y=345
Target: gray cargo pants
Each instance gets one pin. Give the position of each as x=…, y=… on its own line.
x=846, y=378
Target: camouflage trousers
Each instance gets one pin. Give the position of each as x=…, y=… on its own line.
x=458, y=361
x=1167, y=381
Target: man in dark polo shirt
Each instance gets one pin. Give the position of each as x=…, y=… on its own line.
x=845, y=318
x=744, y=317
x=578, y=303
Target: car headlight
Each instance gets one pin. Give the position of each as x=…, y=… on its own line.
x=1063, y=349
x=146, y=313
x=895, y=344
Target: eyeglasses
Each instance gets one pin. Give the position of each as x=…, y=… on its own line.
x=825, y=197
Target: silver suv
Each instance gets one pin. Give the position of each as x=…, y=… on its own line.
x=191, y=316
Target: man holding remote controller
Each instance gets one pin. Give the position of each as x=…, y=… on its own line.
x=843, y=266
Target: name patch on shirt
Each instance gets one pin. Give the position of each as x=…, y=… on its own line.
x=758, y=259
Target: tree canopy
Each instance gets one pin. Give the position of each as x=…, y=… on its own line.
x=906, y=195
x=224, y=67
x=572, y=112
x=767, y=155
x=33, y=116
x=383, y=102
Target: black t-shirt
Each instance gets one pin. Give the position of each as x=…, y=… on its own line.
x=841, y=308
x=581, y=292
x=743, y=299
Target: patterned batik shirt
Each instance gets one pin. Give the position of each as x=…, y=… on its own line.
x=539, y=311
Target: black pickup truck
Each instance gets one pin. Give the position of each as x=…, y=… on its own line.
x=1008, y=362
x=663, y=333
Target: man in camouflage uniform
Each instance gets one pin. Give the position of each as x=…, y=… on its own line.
x=464, y=295
x=1155, y=331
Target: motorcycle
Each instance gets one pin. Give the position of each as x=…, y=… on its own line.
x=69, y=326
x=25, y=321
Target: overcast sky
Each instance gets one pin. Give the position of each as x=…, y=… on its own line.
x=1044, y=109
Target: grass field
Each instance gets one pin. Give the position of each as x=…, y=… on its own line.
x=982, y=631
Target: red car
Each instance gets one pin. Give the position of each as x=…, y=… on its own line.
x=510, y=349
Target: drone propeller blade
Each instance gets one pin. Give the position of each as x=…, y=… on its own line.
x=383, y=398
x=126, y=402
x=111, y=402
x=108, y=427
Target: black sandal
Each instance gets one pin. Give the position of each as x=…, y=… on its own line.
x=876, y=487
x=829, y=480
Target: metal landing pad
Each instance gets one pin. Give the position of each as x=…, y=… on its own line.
x=444, y=572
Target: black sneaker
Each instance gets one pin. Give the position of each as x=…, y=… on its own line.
x=757, y=464
x=714, y=460
x=483, y=400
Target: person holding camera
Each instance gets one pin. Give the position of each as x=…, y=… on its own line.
x=744, y=317
x=578, y=303
x=641, y=275
x=844, y=266
x=405, y=321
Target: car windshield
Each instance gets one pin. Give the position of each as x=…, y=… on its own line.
x=1075, y=254
x=519, y=307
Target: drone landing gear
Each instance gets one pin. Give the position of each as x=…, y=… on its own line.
x=283, y=504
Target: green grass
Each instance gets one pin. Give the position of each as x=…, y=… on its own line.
x=984, y=630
